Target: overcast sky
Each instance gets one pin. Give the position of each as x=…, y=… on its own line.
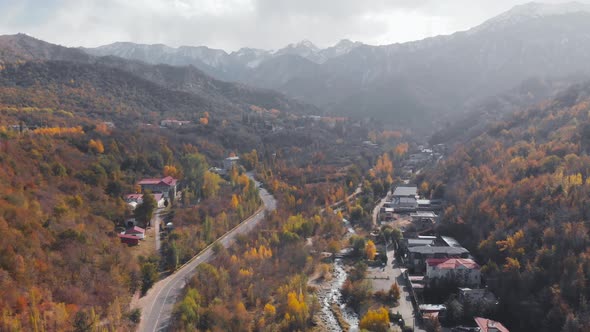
x=231, y=24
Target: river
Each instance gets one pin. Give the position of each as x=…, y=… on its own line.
x=332, y=294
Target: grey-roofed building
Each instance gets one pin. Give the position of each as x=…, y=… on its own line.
x=417, y=256
x=402, y=191
x=410, y=243
x=451, y=242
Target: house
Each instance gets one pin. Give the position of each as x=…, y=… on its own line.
x=417, y=256
x=129, y=239
x=167, y=186
x=136, y=231
x=403, y=191
x=424, y=205
x=171, y=123
x=386, y=214
x=405, y=204
x=423, y=219
x=230, y=162
x=488, y=325
x=133, y=200
x=461, y=271
x=478, y=296
x=431, y=310
x=411, y=243
x=450, y=242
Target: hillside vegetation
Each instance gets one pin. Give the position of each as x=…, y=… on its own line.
x=519, y=198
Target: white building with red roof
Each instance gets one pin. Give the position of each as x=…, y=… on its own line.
x=462, y=272
x=136, y=231
x=165, y=186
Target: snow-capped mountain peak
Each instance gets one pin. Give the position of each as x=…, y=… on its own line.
x=533, y=10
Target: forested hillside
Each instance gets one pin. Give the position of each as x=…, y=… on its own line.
x=22, y=48
x=519, y=198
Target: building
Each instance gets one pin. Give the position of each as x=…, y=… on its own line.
x=386, y=214
x=431, y=310
x=459, y=271
x=129, y=239
x=403, y=191
x=171, y=123
x=166, y=186
x=230, y=162
x=136, y=231
x=133, y=200
x=423, y=219
x=488, y=325
x=449, y=241
x=405, y=204
x=478, y=296
x=417, y=256
x=424, y=205
x=411, y=243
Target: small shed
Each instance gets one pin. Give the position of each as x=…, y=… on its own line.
x=136, y=231
x=129, y=239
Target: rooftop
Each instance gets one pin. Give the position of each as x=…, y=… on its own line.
x=451, y=242
x=452, y=263
x=168, y=181
x=135, y=230
x=439, y=250
x=127, y=236
x=423, y=214
x=488, y=325
x=420, y=242
x=432, y=307
x=405, y=191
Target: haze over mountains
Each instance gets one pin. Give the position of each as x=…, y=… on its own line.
x=164, y=80
x=403, y=82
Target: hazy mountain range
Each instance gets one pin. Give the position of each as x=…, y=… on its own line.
x=403, y=82
x=167, y=79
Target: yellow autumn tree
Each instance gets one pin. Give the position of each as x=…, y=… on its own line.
x=211, y=182
x=370, y=250
x=297, y=309
x=375, y=320
x=235, y=202
x=269, y=310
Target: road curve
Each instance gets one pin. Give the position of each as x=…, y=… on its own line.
x=158, y=303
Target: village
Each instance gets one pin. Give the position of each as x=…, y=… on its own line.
x=440, y=281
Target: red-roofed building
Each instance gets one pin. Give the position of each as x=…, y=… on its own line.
x=488, y=325
x=136, y=231
x=462, y=272
x=129, y=239
x=166, y=186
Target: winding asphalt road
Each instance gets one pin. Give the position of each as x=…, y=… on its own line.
x=157, y=305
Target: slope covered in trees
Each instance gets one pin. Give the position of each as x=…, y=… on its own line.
x=22, y=48
x=519, y=199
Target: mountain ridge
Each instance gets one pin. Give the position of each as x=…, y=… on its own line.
x=432, y=77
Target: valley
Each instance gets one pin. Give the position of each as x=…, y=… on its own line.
x=433, y=185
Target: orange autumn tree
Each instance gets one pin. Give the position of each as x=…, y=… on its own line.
x=171, y=170
x=370, y=250
x=96, y=146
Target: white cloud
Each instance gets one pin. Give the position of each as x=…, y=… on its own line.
x=231, y=24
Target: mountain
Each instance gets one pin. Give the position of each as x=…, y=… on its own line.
x=229, y=66
x=20, y=47
x=517, y=198
x=210, y=91
x=424, y=81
